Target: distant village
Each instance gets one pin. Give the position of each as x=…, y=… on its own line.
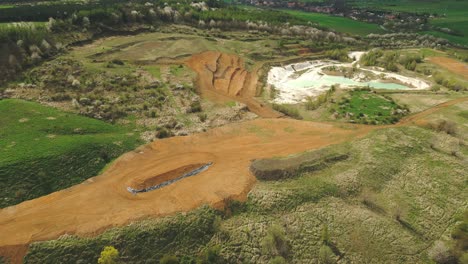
x=390, y=21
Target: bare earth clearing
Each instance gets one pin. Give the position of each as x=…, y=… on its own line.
x=452, y=65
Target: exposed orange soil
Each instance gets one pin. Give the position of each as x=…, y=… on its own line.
x=103, y=201
x=223, y=77
x=452, y=65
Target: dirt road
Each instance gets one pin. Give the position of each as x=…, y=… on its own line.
x=103, y=201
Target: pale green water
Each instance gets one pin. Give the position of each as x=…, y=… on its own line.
x=327, y=80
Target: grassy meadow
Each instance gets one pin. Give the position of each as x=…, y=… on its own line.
x=340, y=24
x=45, y=150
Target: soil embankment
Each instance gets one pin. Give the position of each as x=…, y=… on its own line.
x=223, y=77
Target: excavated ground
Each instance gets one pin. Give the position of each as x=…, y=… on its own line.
x=222, y=77
x=451, y=65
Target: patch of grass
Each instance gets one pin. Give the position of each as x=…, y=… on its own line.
x=363, y=106
x=463, y=114
x=154, y=70
x=231, y=103
x=177, y=70
x=340, y=24
x=151, y=240
x=48, y=150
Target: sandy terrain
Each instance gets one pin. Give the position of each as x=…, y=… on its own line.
x=452, y=65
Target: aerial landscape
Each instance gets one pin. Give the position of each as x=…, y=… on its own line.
x=234, y=131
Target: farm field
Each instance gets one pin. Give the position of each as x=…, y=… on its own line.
x=340, y=24
x=452, y=14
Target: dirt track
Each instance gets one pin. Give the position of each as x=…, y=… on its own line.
x=103, y=201
x=452, y=65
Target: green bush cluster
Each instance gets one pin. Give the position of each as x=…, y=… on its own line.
x=312, y=104
x=366, y=107
x=181, y=237
x=287, y=110
x=338, y=54
x=451, y=84
x=411, y=61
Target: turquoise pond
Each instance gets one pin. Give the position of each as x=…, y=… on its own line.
x=327, y=80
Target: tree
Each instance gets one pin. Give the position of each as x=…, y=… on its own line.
x=109, y=255
x=168, y=259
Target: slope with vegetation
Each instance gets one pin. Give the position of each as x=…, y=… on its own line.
x=44, y=150
x=387, y=201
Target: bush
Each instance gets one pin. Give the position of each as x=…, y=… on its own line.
x=163, y=132
x=202, y=117
x=278, y=260
x=195, y=107
x=275, y=242
x=338, y=54
x=168, y=259
x=109, y=255
x=210, y=256
x=441, y=254
x=443, y=125
x=287, y=110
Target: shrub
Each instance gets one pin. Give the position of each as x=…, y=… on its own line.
x=443, y=125
x=202, y=117
x=287, y=110
x=278, y=260
x=210, y=256
x=195, y=107
x=275, y=242
x=168, y=259
x=109, y=255
x=338, y=54
x=326, y=255
x=163, y=132
x=441, y=254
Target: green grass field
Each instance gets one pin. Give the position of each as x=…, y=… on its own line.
x=43, y=150
x=453, y=14
x=340, y=24
x=6, y=6
x=366, y=106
